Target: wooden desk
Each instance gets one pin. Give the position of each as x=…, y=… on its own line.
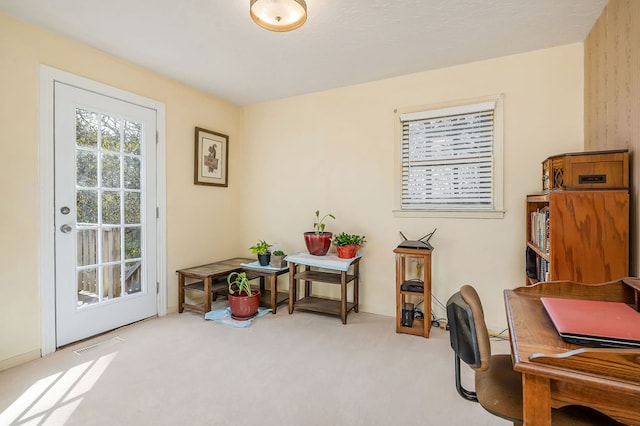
x=556, y=373
x=212, y=272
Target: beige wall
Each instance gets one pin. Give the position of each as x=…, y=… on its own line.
x=612, y=94
x=194, y=213
x=334, y=151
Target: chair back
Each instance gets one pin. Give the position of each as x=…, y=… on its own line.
x=467, y=330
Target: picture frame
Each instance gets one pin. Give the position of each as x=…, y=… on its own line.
x=211, y=165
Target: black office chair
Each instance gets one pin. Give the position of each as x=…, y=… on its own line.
x=498, y=388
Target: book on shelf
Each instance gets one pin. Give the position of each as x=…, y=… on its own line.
x=542, y=271
x=537, y=268
x=540, y=228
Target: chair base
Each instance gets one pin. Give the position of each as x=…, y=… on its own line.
x=466, y=394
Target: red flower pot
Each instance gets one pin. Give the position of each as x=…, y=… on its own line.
x=347, y=252
x=244, y=307
x=318, y=244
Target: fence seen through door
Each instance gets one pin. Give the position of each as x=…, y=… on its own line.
x=114, y=283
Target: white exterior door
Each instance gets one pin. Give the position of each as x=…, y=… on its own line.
x=105, y=213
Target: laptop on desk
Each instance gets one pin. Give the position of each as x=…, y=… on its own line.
x=594, y=323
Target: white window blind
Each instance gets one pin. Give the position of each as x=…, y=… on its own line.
x=448, y=158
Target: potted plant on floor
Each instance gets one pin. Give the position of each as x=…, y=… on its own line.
x=347, y=245
x=261, y=248
x=243, y=300
x=277, y=259
x=318, y=241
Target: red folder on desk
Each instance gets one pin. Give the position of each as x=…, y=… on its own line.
x=594, y=322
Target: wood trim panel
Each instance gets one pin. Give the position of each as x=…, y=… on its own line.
x=595, y=85
x=612, y=95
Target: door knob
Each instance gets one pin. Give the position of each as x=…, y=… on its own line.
x=65, y=229
x=65, y=210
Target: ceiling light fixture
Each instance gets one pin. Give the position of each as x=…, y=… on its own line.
x=278, y=15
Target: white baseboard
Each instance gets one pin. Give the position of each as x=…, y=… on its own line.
x=5, y=364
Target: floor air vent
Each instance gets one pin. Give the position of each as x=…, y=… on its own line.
x=89, y=348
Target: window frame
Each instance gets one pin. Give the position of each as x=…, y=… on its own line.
x=496, y=211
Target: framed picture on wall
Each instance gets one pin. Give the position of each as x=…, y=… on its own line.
x=212, y=158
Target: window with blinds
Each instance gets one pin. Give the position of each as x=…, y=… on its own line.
x=448, y=158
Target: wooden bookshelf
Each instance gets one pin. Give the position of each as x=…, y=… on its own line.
x=588, y=235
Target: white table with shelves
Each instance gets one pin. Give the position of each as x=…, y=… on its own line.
x=328, y=269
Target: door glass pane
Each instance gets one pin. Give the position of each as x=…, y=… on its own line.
x=111, y=244
x=110, y=170
x=87, y=207
x=111, y=207
x=132, y=172
x=132, y=244
x=86, y=128
x=110, y=132
x=87, y=247
x=132, y=277
x=111, y=282
x=87, y=287
x=132, y=134
x=131, y=208
x=86, y=168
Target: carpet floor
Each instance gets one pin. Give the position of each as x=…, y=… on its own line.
x=299, y=369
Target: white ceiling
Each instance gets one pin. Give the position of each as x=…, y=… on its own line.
x=214, y=46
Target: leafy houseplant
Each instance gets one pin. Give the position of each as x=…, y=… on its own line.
x=243, y=300
x=261, y=248
x=347, y=244
x=318, y=225
x=318, y=241
x=277, y=259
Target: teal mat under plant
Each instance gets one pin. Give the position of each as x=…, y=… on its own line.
x=223, y=316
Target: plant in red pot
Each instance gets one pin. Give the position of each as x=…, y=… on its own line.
x=243, y=300
x=347, y=245
x=318, y=241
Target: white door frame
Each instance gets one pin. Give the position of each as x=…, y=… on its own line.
x=48, y=76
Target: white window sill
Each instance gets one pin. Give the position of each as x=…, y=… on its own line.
x=461, y=214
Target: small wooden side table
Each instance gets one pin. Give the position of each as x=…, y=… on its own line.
x=268, y=297
x=212, y=277
x=318, y=304
x=207, y=274
x=404, y=256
